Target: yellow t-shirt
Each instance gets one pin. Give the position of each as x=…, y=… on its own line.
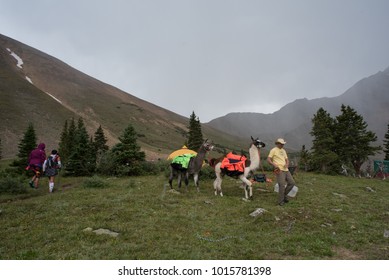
x=279, y=156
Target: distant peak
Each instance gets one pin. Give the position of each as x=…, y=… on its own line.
x=386, y=71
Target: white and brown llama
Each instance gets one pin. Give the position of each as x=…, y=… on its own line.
x=194, y=167
x=251, y=165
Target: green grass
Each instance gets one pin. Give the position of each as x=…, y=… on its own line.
x=153, y=224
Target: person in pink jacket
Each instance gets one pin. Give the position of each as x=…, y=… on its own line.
x=35, y=163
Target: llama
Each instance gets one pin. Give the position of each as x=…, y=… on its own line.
x=194, y=167
x=251, y=166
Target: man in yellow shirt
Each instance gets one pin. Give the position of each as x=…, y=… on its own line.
x=279, y=160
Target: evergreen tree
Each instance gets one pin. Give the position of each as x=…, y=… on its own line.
x=26, y=145
x=80, y=161
x=127, y=154
x=67, y=141
x=100, y=145
x=386, y=144
x=63, y=146
x=353, y=140
x=304, y=158
x=91, y=155
x=195, y=136
x=71, y=139
x=100, y=141
x=1, y=150
x=323, y=156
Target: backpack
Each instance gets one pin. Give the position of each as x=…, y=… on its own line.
x=181, y=162
x=261, y=178
x=233, y=165
x=52, y=162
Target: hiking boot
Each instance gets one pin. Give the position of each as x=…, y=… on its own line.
x=31, y=184
x=282, y=203
x=286, y=200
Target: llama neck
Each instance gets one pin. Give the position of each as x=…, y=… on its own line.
x=198, y=160
x=201, y=155
x=254, y=157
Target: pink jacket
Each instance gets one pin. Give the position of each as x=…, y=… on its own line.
x=38, y=156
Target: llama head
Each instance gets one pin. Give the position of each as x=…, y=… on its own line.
x=208, y=146
x=257, y=143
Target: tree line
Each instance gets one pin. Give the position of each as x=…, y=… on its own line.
x=340, y=141
x=83, y=154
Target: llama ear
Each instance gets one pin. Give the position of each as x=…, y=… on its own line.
x=252, y=138
x=206, y=140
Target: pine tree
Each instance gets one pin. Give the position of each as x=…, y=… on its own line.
x=195, y=136
x=323, y=156
x=91, y=155
x=100, y=141
x=304, y=158
x=127, y=154
x=353, y=140
x=26, y=145
x=71, y=138
x=100, y=145
x=80, y=161
x=63, y=146
x=386, y=144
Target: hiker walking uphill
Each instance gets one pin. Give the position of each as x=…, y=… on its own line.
x=35, y=163
x=279, y=160
x=50, y=168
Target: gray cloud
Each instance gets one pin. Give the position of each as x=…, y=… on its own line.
x=213, y=57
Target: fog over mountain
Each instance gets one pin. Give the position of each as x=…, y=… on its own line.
x=36, y=87
x=369, y=97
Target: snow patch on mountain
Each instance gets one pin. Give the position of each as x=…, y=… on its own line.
x=18, y=59
x=55, y=98
x=28, y=79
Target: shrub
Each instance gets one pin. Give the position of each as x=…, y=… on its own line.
x=153, y=167
x=12, y=185
x=107, y=164
x=207, y=172
x=95, y=182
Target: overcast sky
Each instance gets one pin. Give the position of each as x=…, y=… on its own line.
x=212, y=57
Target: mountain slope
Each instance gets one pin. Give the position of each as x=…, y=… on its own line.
x=369, y=97
x=40, y=88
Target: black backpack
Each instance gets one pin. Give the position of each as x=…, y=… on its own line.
x=51, y=162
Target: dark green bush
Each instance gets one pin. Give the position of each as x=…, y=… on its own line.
x=207, y=172
x=95, y=182
x=109, y=166
x=12, y=184
x=153, y=167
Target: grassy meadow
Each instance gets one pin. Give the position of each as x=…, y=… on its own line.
x=331, y=217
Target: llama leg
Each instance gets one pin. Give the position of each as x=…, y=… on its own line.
x=179, y=180
x=220, y=186
x=196, y=181
x=217, y=184
x=251, y=190
x=187, y=181
x=248, y=189
x=171, y=177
